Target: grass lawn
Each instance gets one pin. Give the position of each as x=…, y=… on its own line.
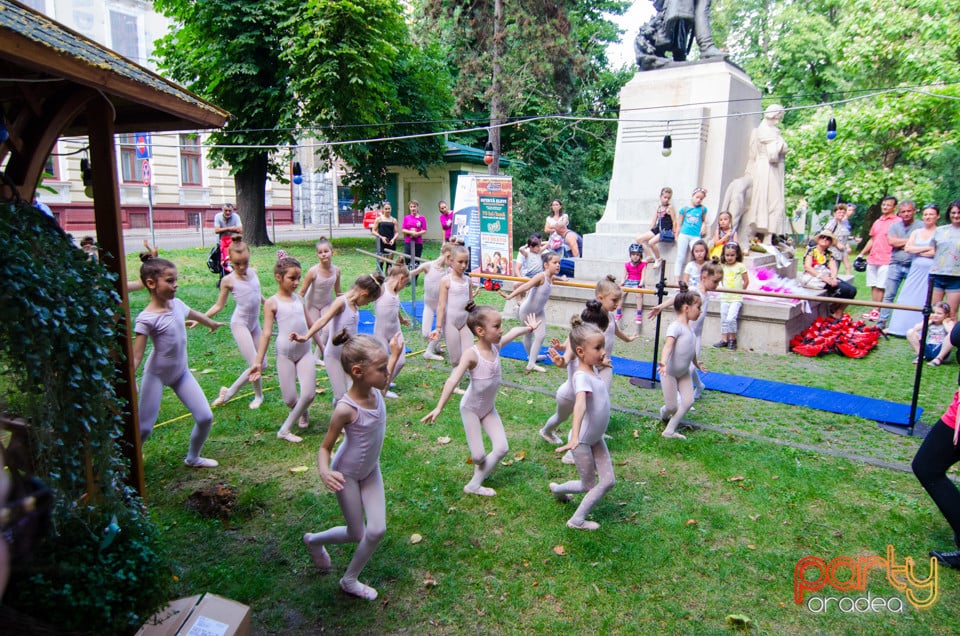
x=692, y=532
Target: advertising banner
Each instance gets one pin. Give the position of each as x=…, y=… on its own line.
x=483, y=221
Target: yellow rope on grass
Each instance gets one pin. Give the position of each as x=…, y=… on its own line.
x=233, y=399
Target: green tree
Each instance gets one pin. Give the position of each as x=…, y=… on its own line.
x=358, y=77
x=228, y=51
x=553, y=61
x=898, y=142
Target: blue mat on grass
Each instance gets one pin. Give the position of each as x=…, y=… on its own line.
x=779, y=392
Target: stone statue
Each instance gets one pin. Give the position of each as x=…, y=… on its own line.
x=756, y=200
x=672, y=30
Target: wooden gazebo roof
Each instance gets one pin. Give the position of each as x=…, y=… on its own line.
x=56, y=82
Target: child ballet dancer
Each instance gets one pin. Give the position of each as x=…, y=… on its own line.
x=478, y=407
x=163, y=322
x=455, y=293
x=534, y=305
x=710, y=276
x=691, y=271
x=734, y=277
x=244, y=284
x=435, y=271
x=566, y=396
x=387, y=317
x=608, y=292
x=937, y=346
x=723, y=234
x=679, y=353
x=294, y=360
x=344, y=313
x=591, y=416
x=664, y=219
x=354, y=472
x=692, y=229
x=633, y=279
x=320, y=286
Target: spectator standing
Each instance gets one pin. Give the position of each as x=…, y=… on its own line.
x=414, y=227
x=877, y=251
x=920, y=245
x=446, y=220
x=900, y=259
x=226, y=225
x=946, y=262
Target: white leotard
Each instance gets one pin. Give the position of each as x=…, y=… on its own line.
x=481, y=395
x=359, y=453
x=597, y=416
x=320, y=293
x=290, y=319
x=246, y=294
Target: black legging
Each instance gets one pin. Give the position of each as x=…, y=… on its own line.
x=931, y=463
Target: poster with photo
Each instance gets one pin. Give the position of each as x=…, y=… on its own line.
x=483, y=222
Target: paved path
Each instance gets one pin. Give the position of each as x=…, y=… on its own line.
x=178, y=239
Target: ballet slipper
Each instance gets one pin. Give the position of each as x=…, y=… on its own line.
x=304, y=421
x=562, y=497
x=222, y=398
x=568, y=458
x=290, y=437
x=255, y=404
x=550, y=436
x=535, y=367
x=201, y=462
x=673, y=435
x=459, y=391
x=318, y=553
x=583, y=525
x=483, y=491
x=358, y=589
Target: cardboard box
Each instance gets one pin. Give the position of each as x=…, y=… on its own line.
x=200, y=615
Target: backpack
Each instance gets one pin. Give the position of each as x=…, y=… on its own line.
x=213, y=260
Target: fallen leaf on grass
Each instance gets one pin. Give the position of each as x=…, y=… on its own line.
x=415, y=538
x=559, y=550
x=753, y=517
x=692, y=522
x=750, y=546
x=299, y=469
x=636, y=433
x=520, y=455
x=320, y=391
x=735, y=478
x=469, y=461
x=623, y=463
x=206, y=371
x=443, y=440
x=428, y=580
x=529, y=401
x=739, y=621
x=507, y=462
x=595, y=588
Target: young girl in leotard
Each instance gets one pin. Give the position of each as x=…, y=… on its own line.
x=435, y=271
x=609, y=293
x=354, y=472
x=344, y=313
x=244, y=284
x=320, y=286
x=162, y=321
x=591, y=416
x=534, y=304
x=478, y=408
x=566, y=396
x=387, y=317
x=455, y=293
x=294, y=360
x=679, y=353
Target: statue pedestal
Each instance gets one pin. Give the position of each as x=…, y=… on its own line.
x=701, y=106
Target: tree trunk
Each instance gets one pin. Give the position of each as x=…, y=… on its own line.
x=496, y=106
x=251, y=182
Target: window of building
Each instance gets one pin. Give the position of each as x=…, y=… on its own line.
x=125, y=35
x=130, y=166
x=191, y=160
x=37, y=5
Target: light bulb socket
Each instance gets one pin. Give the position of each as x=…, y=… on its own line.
x=667, y=146
x=296, y=169
x=488, y=153
x=832, y=128
x=86, y=173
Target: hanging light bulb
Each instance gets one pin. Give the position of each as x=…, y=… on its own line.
x=297, y=173
x=667, y=149
x=832, y=128
x=86, y=173
x=488, y=153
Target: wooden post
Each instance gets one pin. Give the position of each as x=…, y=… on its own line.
x=106, y=211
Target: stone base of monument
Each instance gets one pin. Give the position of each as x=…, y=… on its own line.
x=765, y=326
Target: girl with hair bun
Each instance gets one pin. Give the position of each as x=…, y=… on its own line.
x=478, y=407
x=320, y=286
x=344, y=313
x=679, y=353
x=295, y=362
x=353, y=473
